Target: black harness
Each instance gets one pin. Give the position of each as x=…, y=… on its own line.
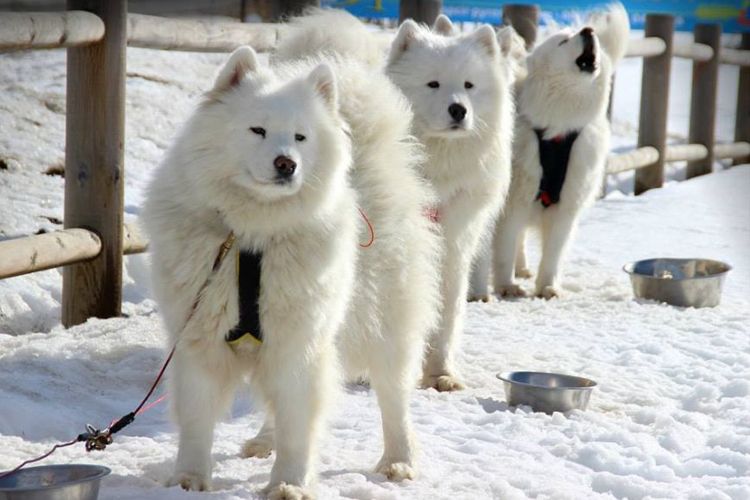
x=248, y=281
x=554, y=155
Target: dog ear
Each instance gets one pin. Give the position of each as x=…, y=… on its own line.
x=323, y=81
x=407, y=34
x=443, y=25
x=511, y=43
x=485, y=37
x=242, y=61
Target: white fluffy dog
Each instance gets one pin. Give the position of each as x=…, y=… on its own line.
x=560, y=149
x=460, y=89
x=283, y=157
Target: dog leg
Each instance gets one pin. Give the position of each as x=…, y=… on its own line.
x=507, y=235
x=390, y=370
x=298, y=387
x=522, y=269
x=261, y=445
x=480, y=275
x=199, y=397
x=557, y=232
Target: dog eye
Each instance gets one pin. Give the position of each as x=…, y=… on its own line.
x=299, y=137
x=563, y=42
x=468, y=85
x=433, y=84
x=259, y=131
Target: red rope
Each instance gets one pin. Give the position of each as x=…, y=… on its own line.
x=42, y=457
x=370, y=228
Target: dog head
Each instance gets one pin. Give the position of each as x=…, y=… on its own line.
x=452, y=82
x=278, y=136
x=569, y=75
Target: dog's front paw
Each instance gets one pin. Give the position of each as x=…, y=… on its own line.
x=523, y=273
x=190, y=481
x=481, y=297
x=258, y=448
x=442, y=383
x=511, y=290
x=394, y=470
x=548, y=292
x=286, y=491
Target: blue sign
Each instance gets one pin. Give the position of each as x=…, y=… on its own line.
x=733, y=15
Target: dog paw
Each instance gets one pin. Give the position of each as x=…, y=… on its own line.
x=258, y=448
x=286, y=491
x=442, y=383
x=511, y=290
x=548, y=292
x=478, y=298
x=395, y=471
x=523, y=273
x=190, y=481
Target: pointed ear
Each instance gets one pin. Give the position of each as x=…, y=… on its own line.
x=323, y=83
x=405, y=38
x=443, y=25
x=242, y=61
x=511, y=44
x=485, y=37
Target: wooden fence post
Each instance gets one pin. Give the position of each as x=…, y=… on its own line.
x=276, y=10
x=703, y=99
x=742, y=121
x=524, y=19
x=94, y=137
x=422, y=11
x=652, y=123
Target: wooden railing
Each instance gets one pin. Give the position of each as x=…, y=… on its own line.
x=94, y=239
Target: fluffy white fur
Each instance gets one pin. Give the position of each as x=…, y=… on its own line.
x=468, y=164
x=323, y=299
x=558, y=97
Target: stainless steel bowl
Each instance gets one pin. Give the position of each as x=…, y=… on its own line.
x=680, y=282
x=54, y=482
x=547, y=392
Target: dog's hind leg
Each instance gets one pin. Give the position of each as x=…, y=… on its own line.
x=393, y=362
x=557, y=232
x=522, y=269
x=480, y=275
x=199, y=396
x=509, y=230
x=261, y=445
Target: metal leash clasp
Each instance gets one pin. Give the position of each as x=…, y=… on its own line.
x=95, y=439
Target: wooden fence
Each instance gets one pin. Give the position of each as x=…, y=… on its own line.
x=96, y=33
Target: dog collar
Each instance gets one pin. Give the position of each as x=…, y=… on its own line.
x=248, y=282
x=554, y=155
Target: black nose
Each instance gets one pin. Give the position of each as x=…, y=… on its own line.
x=457, y=111
x=587, y=32
x=285, y=166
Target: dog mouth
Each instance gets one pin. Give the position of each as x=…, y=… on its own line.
x=586, y=62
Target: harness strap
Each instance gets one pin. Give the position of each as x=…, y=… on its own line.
x=554, y=155
x=248, y=281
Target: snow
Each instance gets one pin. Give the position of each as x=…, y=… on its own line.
x=669, y=419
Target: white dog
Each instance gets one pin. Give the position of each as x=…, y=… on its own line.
x=283, y=157
x=460, y=89
x=560, y=149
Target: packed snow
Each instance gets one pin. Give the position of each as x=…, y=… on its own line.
x=669, y=419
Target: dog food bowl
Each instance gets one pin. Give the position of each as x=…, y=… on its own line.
x=547, y=392
x=54, y=482
x=680, y=282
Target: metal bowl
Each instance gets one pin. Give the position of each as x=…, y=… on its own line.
x=547, y=392
x=680, y=282
x=54, y=482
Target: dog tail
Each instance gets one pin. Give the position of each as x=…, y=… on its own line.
x=333, y=32
x=613, y=29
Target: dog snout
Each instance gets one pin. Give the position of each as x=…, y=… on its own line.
x=284, y=166
x=587, y=32
x=457, y=111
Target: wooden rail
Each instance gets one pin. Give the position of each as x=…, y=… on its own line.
x=59, y=248
x=43, y=30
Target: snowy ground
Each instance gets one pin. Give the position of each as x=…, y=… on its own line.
x=670, y=418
